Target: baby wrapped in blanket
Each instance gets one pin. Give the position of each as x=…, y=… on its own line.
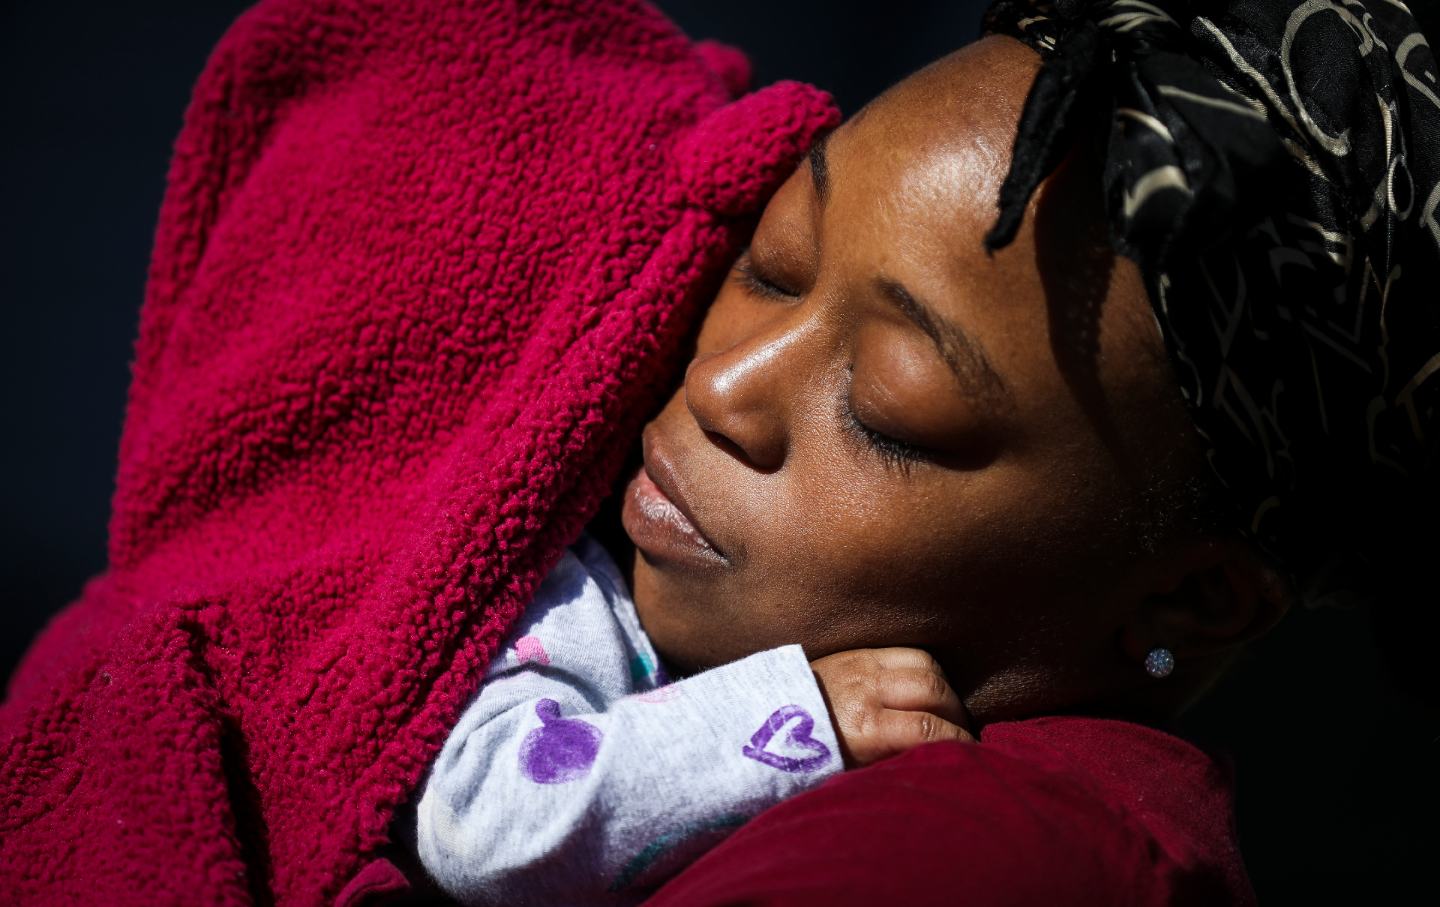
x=582, y=774
x=421, y=268
x=363, y=427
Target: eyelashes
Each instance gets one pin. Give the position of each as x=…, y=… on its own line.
x=893, y=454
x=747, y=277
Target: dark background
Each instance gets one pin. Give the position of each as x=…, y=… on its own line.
x=1339, y=792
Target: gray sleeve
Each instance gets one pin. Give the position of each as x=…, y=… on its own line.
x=550, y=798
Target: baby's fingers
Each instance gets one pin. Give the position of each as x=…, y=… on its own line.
x=898, y=730
x=923, y=689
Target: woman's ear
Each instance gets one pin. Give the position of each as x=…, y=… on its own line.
x=1207, y=596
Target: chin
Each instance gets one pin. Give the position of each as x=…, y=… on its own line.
x=687, y=646
x=681, y=657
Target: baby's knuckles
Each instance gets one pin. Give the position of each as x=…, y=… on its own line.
x=850, y=685
x=857, y=685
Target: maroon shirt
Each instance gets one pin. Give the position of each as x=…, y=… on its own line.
x=1050, y=810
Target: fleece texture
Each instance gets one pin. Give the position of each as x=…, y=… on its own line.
x=422, y=269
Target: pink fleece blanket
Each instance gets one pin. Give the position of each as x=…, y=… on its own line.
x=422, y=270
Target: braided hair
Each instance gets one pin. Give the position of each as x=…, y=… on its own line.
x=1273, y=168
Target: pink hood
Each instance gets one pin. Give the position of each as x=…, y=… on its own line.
x=422, y=270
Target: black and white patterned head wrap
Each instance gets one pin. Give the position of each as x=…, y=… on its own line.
x=1273, y=168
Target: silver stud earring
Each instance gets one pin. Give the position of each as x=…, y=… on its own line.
x=1160, y=662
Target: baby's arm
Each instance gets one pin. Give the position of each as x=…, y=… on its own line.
x=548, y=796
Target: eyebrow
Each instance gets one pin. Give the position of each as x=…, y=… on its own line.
x=964, y=355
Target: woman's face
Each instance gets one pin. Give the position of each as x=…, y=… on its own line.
x=893, y=439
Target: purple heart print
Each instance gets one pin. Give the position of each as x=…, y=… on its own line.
x=799, y=739
x=561, y=749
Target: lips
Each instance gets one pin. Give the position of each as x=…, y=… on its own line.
x=658, y=517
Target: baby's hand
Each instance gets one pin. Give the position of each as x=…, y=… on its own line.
x=885, y=701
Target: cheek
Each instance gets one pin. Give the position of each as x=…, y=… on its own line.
x=858, y=564
x=958, y=561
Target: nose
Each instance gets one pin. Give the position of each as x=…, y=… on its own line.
x=742, y=396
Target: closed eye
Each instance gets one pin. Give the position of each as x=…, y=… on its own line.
x=892, y=452
x=748, y=277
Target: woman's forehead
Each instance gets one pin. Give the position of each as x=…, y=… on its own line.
x=980, y=85
x=938, y=141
